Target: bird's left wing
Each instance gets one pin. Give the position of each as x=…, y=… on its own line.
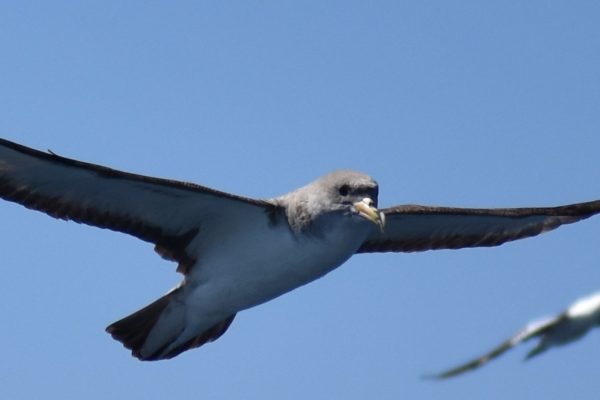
x=165, y=212
x=533, y=329
x=411, y=228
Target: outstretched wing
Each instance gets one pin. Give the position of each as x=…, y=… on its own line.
x=411, y=228
x=534, y=329
x=165, y=212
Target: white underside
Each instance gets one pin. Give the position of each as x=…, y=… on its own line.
x=238, y=269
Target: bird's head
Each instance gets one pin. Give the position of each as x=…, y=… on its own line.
x=347, y=192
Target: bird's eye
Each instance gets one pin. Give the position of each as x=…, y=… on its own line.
x=344, y=190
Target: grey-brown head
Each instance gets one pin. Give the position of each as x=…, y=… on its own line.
x=342, y=191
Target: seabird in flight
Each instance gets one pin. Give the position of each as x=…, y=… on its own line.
x=235, y=252
x=566, y=327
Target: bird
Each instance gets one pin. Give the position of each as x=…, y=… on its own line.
x=566, y=327
x=236, y=252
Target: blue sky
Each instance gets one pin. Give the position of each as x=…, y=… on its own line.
x=448, y=103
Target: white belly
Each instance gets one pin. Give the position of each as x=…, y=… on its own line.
x=250, y=268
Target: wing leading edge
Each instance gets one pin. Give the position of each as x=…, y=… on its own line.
x=532, y=330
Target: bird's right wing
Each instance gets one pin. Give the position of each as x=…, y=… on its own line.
x=533, y=329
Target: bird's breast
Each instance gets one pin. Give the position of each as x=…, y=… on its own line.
x=244, y=269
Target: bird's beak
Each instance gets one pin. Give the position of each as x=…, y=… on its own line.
x=366, y=210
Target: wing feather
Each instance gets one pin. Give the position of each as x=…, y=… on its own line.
x=412, y=228
x=534, y=329
x=165, y=212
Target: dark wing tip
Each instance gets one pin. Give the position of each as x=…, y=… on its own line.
x=479, y=361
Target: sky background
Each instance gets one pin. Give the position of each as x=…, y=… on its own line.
x=472, y=104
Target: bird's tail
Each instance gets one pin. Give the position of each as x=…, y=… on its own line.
x=165, y=320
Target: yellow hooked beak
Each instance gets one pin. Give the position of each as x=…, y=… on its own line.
x=366, y=210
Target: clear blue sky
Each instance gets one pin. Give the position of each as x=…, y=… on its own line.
x=450, y=103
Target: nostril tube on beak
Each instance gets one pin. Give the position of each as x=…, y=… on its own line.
x=366, y=209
